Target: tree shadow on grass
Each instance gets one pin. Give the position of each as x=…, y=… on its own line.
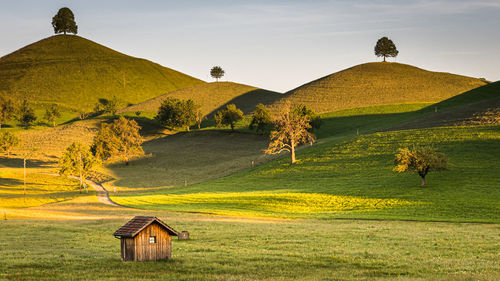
x=30, y=163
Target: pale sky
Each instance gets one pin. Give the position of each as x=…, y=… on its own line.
x=273, y=44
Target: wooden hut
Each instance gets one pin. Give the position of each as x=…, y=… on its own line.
x=145, y=238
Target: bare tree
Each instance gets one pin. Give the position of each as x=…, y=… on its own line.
x=290, y=131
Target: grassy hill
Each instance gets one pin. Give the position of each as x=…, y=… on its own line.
x=76, y=72
x=354, y=179
x=480, y=106
x=372, y=84
x=213, y=96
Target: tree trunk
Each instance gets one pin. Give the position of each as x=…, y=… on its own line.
x=423, y=181
x=80, y=164
x=187, y=128
x=384, y=58
x=53, y=123
x=292, y=150
x=24, y=169
x=232, y=127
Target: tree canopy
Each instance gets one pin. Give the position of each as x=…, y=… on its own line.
x=421, y=160
x=228, y=116
x=217, y=72
x=26, y=114
x=385, y=48
x=120, y=138
x=177, y=113
x=51, y=114
x=261, y=119
x=290, y=130
x=7, y=110
x=314, y=119
x=7, y=142
x=64, y=22
x=77, y=161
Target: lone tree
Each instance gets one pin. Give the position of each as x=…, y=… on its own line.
x=261, y=119
x=7, y=142
x=228, y=116
x=121, y=138
x=421, y=160
x=217, y=72
x=385, y=48
x=291, y=130
x=112, y=106
x=77, y=161
x=26, y=115
x=7, y=110
x=177, y=113
x=314, y=119
x=64, y=21
x=51, y=114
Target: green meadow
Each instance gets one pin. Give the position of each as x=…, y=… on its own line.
x=224, y=249
x=339, y=213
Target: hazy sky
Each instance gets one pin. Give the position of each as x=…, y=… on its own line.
x=273, y=44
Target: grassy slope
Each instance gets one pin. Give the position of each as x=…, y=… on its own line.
x=213, y=96
x=273, y=250
x=479, y=106
x=76, y=72
x=372, y=84
x=356, y=172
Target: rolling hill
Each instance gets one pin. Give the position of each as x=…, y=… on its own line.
x=480, y=106
x=379, y=83
x=76, y=72
x=213, y=96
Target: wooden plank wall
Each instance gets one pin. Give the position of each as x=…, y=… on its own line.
x=128, y=249
x=161, y=250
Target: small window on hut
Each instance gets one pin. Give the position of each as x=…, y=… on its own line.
x=152, y=239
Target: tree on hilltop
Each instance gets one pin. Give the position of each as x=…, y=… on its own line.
x=64, y=21
x=421, y=160
x=121, y=138
x=77, y=161
x=217, y=72
x=228, y=116
x=7, y=110
x=385, y=48
x=290, y=130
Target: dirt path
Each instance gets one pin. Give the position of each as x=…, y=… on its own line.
x=102, y=194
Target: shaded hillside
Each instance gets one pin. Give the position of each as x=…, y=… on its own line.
x=76, y=72
x=213, y=96
x=379, y=84
x=480, y=106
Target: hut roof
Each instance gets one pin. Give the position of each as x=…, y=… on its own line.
x=138, y=223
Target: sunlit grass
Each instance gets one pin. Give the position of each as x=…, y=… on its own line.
x=359, y=167
x=262, y=203
x=40, y=189
x=379, y=83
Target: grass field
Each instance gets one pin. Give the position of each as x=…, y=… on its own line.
x=372, y=84
x=40, y=189
x=77, y=72
x=356, y=169
x=189, y=158
x=223, y=249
